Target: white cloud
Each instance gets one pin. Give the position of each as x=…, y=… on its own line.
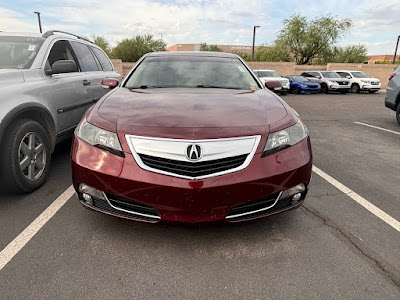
x=210, y=21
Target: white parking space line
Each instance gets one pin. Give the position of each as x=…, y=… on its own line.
x=376, y=127
x=25, y=236
x=360, y=200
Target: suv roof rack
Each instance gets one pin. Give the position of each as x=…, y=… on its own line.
x=52, y=32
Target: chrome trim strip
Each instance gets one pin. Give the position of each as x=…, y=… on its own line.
x=255, y=211
x=140, y=163
x=128, y=211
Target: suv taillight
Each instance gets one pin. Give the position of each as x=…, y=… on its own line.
x=392, y=75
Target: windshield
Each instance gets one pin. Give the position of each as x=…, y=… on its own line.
x=359, y=75
x=299, y=78
x=192, y=72
x=18, y=52
x=330, y=74
x=268, y=74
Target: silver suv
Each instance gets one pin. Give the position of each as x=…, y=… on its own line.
x=47, y=83
x=330, y=81
x=392, y=99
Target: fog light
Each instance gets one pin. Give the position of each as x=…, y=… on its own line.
x=298, y=189
x=90, y=191
x=88, y=199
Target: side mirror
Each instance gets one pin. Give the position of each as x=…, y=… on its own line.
x=109, y=83
x=348, y=77
x=317, y=76
x=64, y=66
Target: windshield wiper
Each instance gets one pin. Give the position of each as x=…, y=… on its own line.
x=148, y=87
x=218, y=87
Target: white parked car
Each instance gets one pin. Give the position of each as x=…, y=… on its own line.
x=330, y=81
x=272, y=75
x=360, y=81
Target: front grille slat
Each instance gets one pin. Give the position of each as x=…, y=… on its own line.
x=193, y=169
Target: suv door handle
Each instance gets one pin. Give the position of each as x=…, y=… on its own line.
x=86, y=82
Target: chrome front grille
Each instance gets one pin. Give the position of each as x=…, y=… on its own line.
x=193, y=159
x=195, y=169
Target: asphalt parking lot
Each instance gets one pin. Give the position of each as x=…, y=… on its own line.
x=343, y=243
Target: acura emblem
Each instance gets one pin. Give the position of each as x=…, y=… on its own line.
x=193, y=152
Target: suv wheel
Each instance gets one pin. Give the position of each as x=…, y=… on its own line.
x=398, y=113
x=324, y=88
x=26, y=156
x=355, y=88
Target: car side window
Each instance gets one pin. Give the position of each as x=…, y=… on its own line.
x=85, y=57
x=104, y=61
x=61, y=50
x=343, y=74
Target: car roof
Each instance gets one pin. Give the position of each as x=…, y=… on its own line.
x=192, y=53
x=348, y=71
x=27, y=34
x=264, y=70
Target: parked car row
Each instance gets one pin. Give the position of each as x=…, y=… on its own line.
x=315, y=81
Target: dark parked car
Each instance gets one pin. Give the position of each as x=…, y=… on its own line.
x=300, y=84
x=392, y=99
x=47, y=83
x=191, y=137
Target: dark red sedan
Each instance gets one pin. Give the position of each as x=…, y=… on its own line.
x=191, y=137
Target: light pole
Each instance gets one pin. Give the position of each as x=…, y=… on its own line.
x=254, y=39
x=40, y=23
x=395, y=50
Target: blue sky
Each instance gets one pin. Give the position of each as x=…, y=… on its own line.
x=194, y=21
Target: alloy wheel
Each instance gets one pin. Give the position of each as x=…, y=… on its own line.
x=32, y=156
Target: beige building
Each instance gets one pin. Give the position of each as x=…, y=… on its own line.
x=224, y=48
x=382, y=58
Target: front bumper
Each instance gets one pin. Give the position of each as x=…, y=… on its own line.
x=309, y=90
x=338, y=87
x=129, y=187
x=370, y=87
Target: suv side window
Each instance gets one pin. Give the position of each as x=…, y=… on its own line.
x=305, y=74
x=315, y=74
x=61, y=50
x=85, y=57
x=343, y=74
x=104, y=61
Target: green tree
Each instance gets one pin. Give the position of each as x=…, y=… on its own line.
x=102, y=43
x=246, y=56
x=272, y=53
x=130, y=50
x=350, y=54
x=205, y=47
x=308, y=39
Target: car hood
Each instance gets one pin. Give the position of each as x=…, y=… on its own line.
x=163, y=111
x=9, y=77
x=306, y=82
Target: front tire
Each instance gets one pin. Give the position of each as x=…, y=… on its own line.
x=25, y=157
x=355, y=88
x=324, y=88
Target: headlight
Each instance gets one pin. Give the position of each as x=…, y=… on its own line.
x=285, y=138
x=333, y=81
x=303, y=85
x=99, y=137
x=365, y=81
